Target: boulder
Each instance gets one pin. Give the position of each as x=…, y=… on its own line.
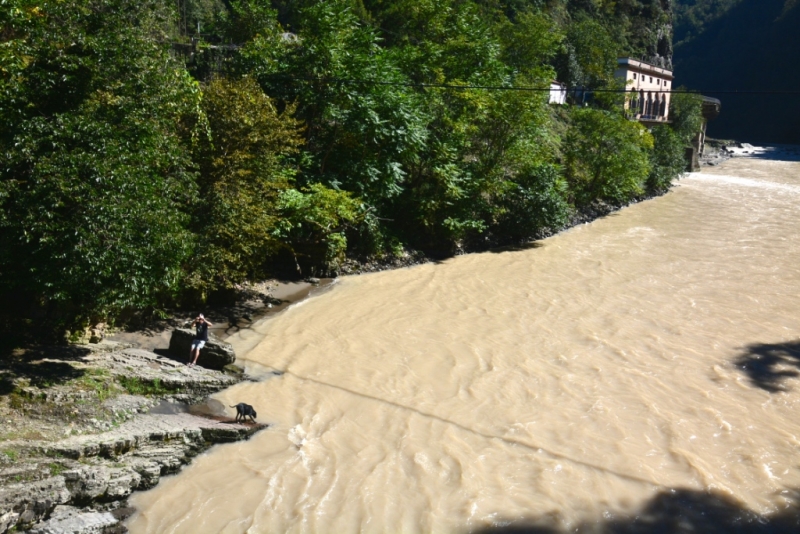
x=215, y=355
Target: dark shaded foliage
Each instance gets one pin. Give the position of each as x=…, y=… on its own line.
x=739, y=45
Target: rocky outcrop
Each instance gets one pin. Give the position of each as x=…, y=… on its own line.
x=215, y=355
x=24, y=504
x=107, y=468
x=69, y=519
x=77, y=484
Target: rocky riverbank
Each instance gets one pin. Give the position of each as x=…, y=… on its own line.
x=84, y=426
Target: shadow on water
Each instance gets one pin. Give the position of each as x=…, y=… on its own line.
x=673, y=511
x=40, y=366
x=778, y=153
x=517, y=248
x=769, y=364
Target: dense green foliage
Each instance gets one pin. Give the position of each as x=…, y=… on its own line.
x=95, y=183
x=667, y=159
x=692, y=17
x=157, y=151
x=606, y=156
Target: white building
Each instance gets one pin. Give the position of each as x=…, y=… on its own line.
x=558, y=93
x=647, y=85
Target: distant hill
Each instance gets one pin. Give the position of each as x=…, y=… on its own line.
x=744, y=45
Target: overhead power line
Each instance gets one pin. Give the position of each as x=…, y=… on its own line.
x=532, y=88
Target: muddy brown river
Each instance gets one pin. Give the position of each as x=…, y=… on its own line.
x=653, y=352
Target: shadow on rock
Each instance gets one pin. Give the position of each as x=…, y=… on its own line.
x=673, y=512
x=769, y=365
x=41, y=366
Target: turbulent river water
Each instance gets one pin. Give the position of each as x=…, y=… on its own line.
x=574, y=382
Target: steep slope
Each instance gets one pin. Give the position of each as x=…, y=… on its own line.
x=744, y=45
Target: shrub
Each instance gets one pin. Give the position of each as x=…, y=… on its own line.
x=668, y=159
x=606, y=156
x=312, y=223
x=536, y=199
x=245, y=165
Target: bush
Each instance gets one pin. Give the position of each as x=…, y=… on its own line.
x=313, y=223
x=94, y=172
x=668, y=159
x=606, y=156
x=536, y=199
x=245, y=165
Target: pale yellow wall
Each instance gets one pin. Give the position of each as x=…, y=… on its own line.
x=647, y=82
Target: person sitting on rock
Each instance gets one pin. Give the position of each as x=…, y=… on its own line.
x=201, y=325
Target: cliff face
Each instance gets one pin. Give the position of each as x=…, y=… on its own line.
x=743, y=45
x=643, y=27
x=650, y=27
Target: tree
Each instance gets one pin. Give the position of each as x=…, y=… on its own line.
x=606, y=156
x=95, y=186
x=362, y=125
x=245, y=165
x=686, y=114
x=668, y=159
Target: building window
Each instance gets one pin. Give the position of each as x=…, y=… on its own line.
x=651, y=79
x=634, y=75
x=663, y=106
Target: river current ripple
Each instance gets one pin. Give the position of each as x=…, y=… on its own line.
x=573, y=382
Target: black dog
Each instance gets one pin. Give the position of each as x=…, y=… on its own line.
x=243, y=411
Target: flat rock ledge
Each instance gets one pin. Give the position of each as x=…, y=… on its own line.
x=103, y=470
x=80, y=484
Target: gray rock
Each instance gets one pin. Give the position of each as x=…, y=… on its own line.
x=100, y=483
x=108, y=467
x=215, y=355
x=71, y=520
x=26, y=503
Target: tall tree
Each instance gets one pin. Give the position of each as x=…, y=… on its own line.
x=95, y=187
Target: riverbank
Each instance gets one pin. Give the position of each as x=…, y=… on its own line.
x=86, y=425
x=114, y=446
x=80, y=432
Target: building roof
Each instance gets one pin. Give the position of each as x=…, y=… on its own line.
x=641, y=66
x=711, y=107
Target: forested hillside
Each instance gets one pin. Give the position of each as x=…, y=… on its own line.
x=158, y=152
x=743, y=45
